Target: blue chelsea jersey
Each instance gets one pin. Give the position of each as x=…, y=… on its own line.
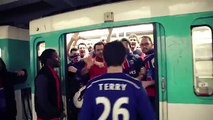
x=132, y=65
x=149, y=61
x=115, y=96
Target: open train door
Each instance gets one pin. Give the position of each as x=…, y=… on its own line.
x=160, y=71
x=38, y=45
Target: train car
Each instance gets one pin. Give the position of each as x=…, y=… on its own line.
x=182, y=35
x=14, y=50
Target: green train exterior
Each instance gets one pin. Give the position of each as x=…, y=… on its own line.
x=173, y=22
x=14, y=45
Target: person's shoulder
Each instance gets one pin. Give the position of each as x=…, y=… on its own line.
x=137, y=52
x=150, y=52
x=133, y=56
x=149, y=57
x=136, y=58
x=121, y=78
x=41, y=79
x=70, y=64
x=41, y=76
x=44, y=71
x=80, y=62
x=95, y=79
x=133, y=81
x=116, y=78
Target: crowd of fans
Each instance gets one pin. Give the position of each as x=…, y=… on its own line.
x=139, y=63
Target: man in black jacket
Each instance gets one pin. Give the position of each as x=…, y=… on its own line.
x=48, y=100
x=7, y=96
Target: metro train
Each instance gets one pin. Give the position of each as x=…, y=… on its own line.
x=182, y=35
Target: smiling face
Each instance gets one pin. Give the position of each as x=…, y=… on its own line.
x=133, y=42
x=82, y=50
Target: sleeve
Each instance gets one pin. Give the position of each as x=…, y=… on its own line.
x=15, y=79
x=42, y=96
x=86, y=112
x=144, y=108
x=139, y=64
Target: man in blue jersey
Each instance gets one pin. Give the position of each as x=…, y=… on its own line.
x=115, y=95
x=132, y=63
x=75, y=81
x=149, y=60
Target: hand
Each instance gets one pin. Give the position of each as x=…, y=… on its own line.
x=99, y=64
x=142, y=71
x=145, y=84
x=75, y=36
x=88, y=60
x=72, y=69
x=140, y=77
x=148, y=83
x=20, y=73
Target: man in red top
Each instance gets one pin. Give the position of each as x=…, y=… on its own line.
x=96, y=70
x=97, y=65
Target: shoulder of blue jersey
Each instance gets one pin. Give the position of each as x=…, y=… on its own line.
x=123, y=78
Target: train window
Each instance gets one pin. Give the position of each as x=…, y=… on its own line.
x=40, y=49
x=202, y=60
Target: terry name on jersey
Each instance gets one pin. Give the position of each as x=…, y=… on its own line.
x=112, y=86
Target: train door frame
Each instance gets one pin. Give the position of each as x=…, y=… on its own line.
x=59, y=47
x=63, y=68
x=160, y=71
x=36, y=42
x=160, y=56
x=34, y=65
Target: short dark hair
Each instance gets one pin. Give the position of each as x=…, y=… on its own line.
x=147, y=37
x=126, y=40
x=46, y=54
x=73, y=49
x=98, y=43
x=82, y=44
x=114, y=53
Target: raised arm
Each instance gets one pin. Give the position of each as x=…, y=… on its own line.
x=74, y=39
x=109, y=35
